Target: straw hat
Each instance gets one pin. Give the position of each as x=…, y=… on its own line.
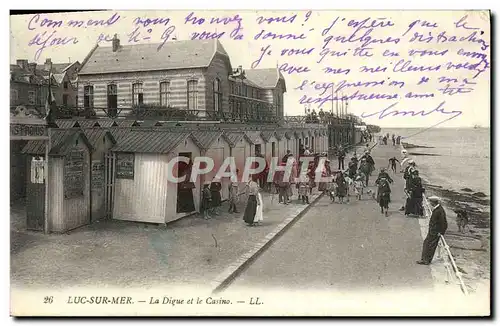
x=434, y=199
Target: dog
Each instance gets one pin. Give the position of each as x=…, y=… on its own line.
x=462, y=220
x=370, y=193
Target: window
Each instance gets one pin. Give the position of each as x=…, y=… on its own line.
x=257, y=149
x=192, y=93
x=273, y=149
x=88, y=97
x=31, y=97
x=278, y=104
x=65, y=99
x=165, y=94
x=137, y=94
x=112, y=100
x=14, y=96
x=65, y=85
x=244, y=90
x=217, y=95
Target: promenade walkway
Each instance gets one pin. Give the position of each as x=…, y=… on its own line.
x=190, y=251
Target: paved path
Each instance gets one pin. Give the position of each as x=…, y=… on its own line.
x=191, y=251
x=345, y=247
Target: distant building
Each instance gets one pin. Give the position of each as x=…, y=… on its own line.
x=28, y=86
x=29, y=83
x=194, y=75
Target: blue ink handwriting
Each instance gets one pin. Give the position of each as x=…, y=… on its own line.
x=263, y=51
x=145, y=22
x=290, y=69
x=422, y=53
x=44, y=40
x=390, y=111
x=443, y=38
x=235, y=34
x=332, y=53
x=270, y=20
x=330, y=70
x=420, y=23
x=447, y=90
x=462, y=23
x=95, y=23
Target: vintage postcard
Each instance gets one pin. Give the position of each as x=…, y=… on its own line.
x=250, y=163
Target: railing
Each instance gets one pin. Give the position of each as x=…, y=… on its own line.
x=164, y=114
x=445, y=253
x=318, y=119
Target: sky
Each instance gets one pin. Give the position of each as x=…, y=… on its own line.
x=389, y=63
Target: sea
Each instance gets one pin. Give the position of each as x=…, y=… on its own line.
x=463, y=159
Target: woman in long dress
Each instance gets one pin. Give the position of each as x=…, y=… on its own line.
x=253, y=213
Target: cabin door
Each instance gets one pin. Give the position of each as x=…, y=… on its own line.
x=35, y=195
x=109, y=183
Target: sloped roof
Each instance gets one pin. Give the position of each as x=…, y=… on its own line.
x=59, y=77
x=87, y=123
x=95, y=135
x=126, y=123
x=65, y=123
x=267, y=134
x=119, y=133
x=280, y=134
x=205, y=139
x=234, y=137
x=264, y=78
x=59, y=68
x=148, y=57
x=151, y=141
x=150, y=123
x=253, y=136
x=105, y=123
x=62, y=140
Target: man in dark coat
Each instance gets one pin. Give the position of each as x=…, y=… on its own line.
x=437, y=225
x=341, y=157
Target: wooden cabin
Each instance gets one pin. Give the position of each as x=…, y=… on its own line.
x=241, y=148
x=142, y=190
x=69, y=181
x=282, y=146
x=214, y=144
x=271, y=144
x=258, y=143
x=102, y=141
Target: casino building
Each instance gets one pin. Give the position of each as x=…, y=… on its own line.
x=140, y=106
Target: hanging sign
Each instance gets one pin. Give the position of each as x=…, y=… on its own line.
x=37, y=170
x=97, y=175
x=125, y=166
x=74, y=182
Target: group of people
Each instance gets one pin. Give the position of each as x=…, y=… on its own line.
x=383, y=139
x=414, y=191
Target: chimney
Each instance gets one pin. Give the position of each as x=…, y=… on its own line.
x=116, y=43
x=32, y=67
x=47, y=64
x=23, y=63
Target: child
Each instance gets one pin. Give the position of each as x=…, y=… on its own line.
x=332, y=189
x=233, y=195
x=359, y=182
x=304, y=190
x=206, y=201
